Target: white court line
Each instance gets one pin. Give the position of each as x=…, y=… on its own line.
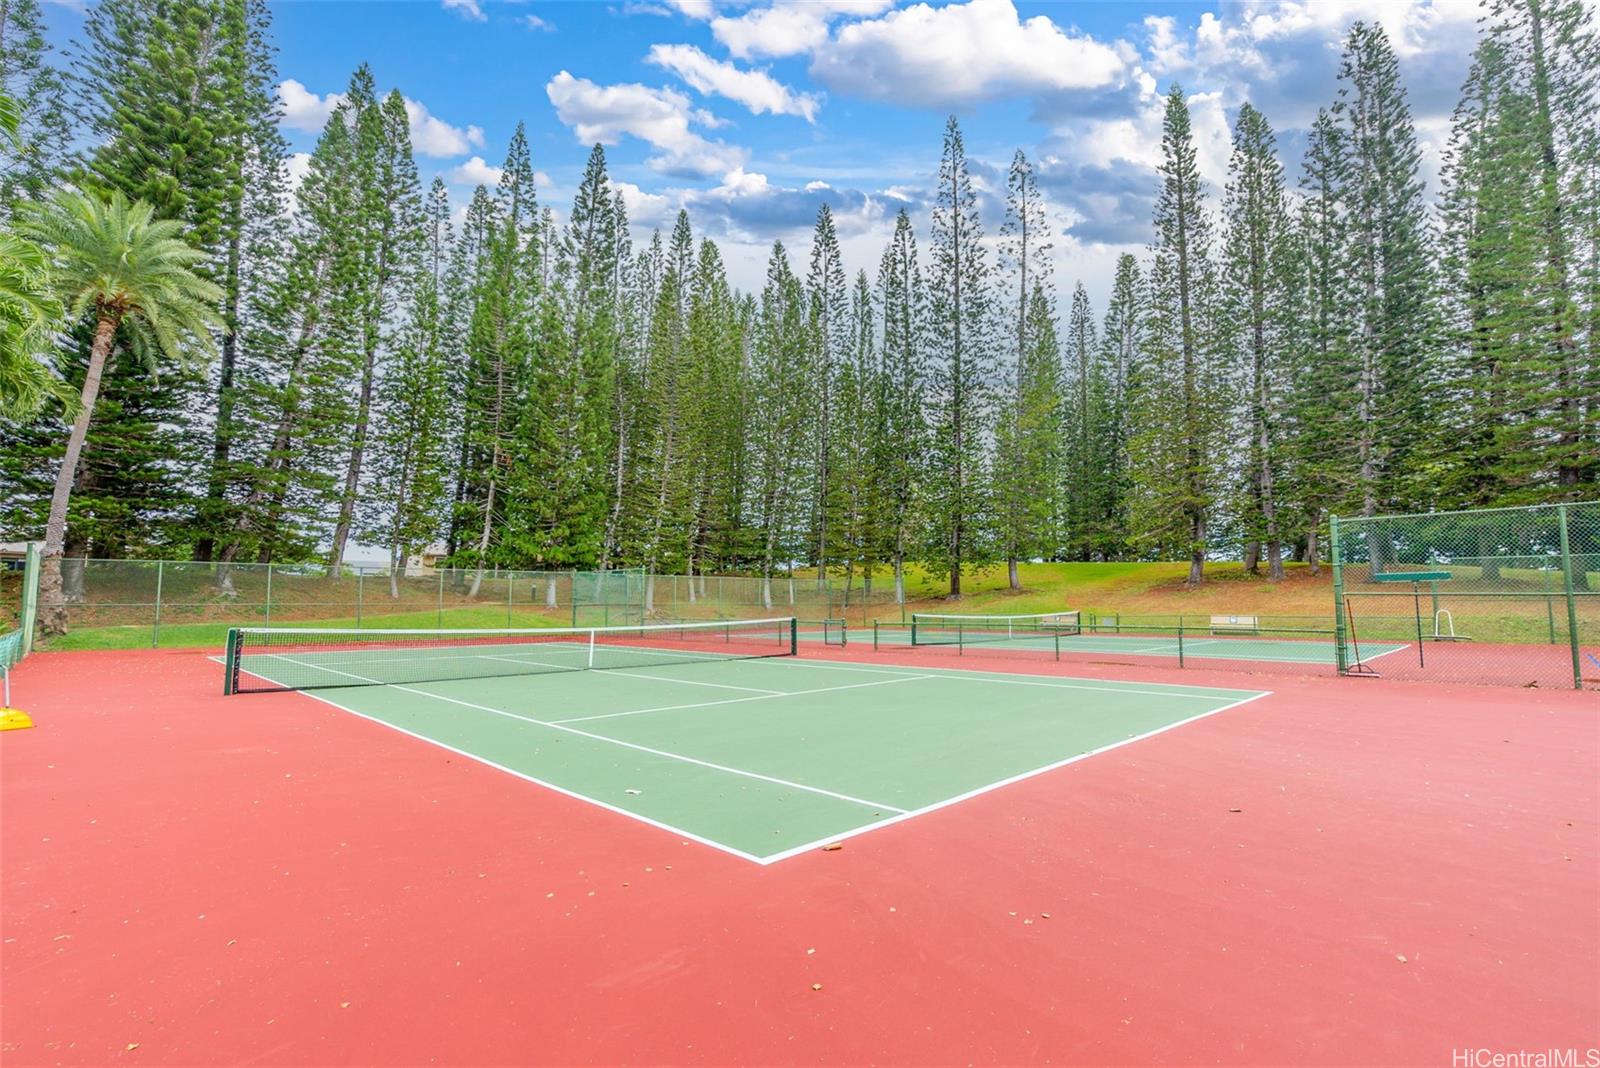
x=901, y=814
x=689, y=682
x=767, y=696
x=773, y=858
x=562, y=726
x=1068, y=682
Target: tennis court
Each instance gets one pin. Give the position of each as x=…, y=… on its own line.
x=1122, y=641
x=717, y=732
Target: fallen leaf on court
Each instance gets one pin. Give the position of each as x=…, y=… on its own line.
x=1401, y=957
x=816, y=986
x=630, y=791
x=831, y=846
x=131, y=1047
x=1044, y=915
x=1236, y=810
x=344, y=1004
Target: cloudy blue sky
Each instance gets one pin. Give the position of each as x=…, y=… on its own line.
x=753, y=114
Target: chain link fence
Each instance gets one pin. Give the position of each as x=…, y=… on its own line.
x=175, y=602
x=1507, y=596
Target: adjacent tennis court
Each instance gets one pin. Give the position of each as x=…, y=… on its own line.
x=715, y=731
x=1061, y=632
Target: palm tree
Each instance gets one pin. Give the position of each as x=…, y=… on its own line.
x=114, y=261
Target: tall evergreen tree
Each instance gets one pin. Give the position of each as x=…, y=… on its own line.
x=1021, y=444
x=961, y=374
x=899, y=449
x=1553, y=47
x=406, y=489
x=1081, y=482
x=1179, y=402
x=389, y=232
x=1121, y=343
x=1258, y=292
x=1385, y=251
x=780, y=454
x=828, y=329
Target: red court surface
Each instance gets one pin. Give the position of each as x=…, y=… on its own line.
x=1345, y=872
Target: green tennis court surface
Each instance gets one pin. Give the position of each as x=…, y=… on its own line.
x=765, y=758
x=1220, y=647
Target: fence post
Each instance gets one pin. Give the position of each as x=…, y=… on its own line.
x=441, y=599
x=267, y=622
x=155, y=632
x=1572, y=604
x=1340, y=654
x=360, y=585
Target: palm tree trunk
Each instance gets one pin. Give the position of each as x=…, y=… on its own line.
x=53, y=614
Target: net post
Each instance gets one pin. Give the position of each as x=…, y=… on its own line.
x=592, y=636
x=794, y=636
x=155, y=631
x=1057, y=635
x=874, y=635
x=230, y=669
x=1341, y=658
x=1572, y=604
x=1180, y=641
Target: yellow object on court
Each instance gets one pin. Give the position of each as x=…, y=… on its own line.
x=14, y=719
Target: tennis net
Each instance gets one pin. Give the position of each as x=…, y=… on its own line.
x=930, y=628
x=301, y=658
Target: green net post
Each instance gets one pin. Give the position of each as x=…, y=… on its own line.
x=1056, y=634
x=155, y=630
x=874, y=635
x=230, y=671
x=30, y=596
x=1180, y=641
x=794, y=636
x=1340, y=653
x=1572, y=604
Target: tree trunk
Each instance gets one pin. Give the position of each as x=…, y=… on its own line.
x=1197, y=552
x=1011, y=573
x=1313, y=551
x=483, y=538
x=52, y=607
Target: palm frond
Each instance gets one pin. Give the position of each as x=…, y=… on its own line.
x=114, y=257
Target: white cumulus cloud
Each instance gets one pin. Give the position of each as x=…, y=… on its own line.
x=303, y=109
x=467, y=9
x=432, y=136
x=755, y=89
x=961, y=54
x=474, y=172
x=659, y=117
x=788, y=27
